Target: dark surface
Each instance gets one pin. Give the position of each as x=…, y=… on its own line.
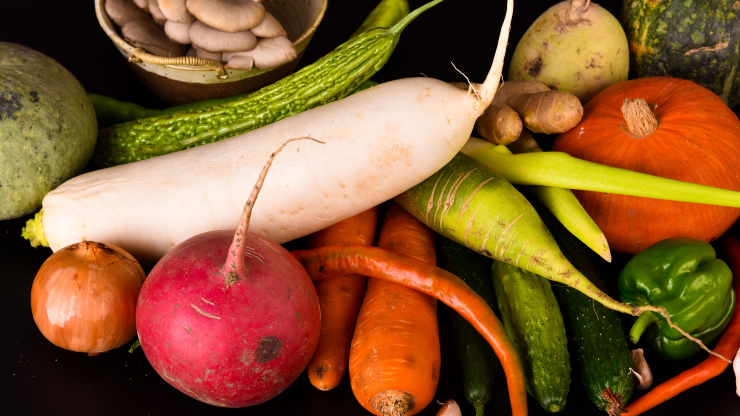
x=38, y=378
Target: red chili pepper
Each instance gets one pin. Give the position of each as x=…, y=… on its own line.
x=383, y=264
x=711, y=367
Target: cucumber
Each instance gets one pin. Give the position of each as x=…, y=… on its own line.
x=532, y=319
x=334, y=76
x=598, y=341
x=478, y=362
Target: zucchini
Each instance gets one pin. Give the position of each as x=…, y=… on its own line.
x=599, y=343
x=534, y=323
x=331, y=78
x=478, y=361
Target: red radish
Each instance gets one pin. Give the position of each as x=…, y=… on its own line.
x=230, y=333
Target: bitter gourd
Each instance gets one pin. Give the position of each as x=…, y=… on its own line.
x=332, y=77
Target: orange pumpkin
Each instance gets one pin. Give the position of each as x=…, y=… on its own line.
x=680, y=131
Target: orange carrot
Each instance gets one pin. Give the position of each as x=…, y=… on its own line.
x=394, y=360
x=340, y=298
x=374, y=262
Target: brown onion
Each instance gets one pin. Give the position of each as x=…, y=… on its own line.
x=84, y=297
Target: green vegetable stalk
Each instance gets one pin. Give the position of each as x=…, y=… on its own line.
x=560, y=170
x=560, y=201
x=685, y=276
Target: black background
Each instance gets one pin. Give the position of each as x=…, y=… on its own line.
x=38, y=378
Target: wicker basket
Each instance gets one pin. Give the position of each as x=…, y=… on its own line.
x=195, y=79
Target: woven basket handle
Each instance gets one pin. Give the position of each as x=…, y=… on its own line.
x=139, y=55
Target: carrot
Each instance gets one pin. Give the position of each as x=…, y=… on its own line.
x=395, y=358
x=339, y=298
x=728, y=346
x=377, y=263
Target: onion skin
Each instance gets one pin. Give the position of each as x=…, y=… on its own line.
x=84, y=297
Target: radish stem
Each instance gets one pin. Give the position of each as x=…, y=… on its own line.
x=234, y=268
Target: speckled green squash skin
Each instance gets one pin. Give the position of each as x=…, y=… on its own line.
x=666, y=38
x=532, y=319
x=47, y=128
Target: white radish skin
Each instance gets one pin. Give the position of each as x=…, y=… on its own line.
x=379, y=143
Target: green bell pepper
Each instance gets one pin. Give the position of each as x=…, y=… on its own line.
x=684, y=276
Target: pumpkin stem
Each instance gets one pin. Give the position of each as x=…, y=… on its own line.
x=639, y=117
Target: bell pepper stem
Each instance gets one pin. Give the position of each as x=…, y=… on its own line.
x=641, y=324
x=639, y=310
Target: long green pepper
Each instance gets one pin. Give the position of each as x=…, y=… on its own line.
x=331, y=78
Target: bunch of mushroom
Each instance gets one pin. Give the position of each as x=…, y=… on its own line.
x=238, y=33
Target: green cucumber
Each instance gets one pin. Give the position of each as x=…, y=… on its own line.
x=331, y=78
x=478, y=362
x=532, y=319
x=598, y=340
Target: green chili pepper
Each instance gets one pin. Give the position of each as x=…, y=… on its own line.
x=685, y=276
x=386, y=14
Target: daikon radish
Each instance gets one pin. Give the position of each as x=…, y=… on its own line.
x=379, y=143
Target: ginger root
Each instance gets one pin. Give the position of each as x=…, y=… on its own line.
x=499, y=124
x=541, y=110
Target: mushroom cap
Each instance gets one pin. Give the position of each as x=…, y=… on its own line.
x=147, y=35
x=216, y=56
x=176, y=11
x=269, y=27
x=205, y=37
x=156, y=12
x=228, y=15
x=123, y=11
x=238, y=61
x=178, y=32
x=269, y=53
x=144, y=4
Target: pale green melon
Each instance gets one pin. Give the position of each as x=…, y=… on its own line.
x=47, y=128
x=576, y=47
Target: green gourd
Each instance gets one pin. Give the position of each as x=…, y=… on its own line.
x=331, y=78
x=695, y=40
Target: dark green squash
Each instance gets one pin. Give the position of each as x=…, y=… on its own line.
x=697, y=40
